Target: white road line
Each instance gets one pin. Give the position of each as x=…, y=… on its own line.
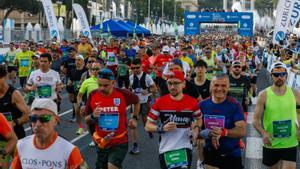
x=250, y=117
x=85, y=134
x=79, y=137
x=61, y=114
x=254, y=147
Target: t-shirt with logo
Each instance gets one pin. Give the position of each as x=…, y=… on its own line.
x=24, y=63
x=203, y=89
x=113, y=117
x=60, y=154
x=222, y=115
x=182, y=112
x=46, y=83
x=160, y=62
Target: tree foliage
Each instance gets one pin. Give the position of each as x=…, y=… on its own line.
x=210, y=4
x=31, y=6
x=140, y=8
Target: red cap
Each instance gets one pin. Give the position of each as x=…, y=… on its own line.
x=175, y=74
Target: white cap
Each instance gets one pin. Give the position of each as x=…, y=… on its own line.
x=166, y=49
x=44, y=103
x=80, y=57
x=278, y=65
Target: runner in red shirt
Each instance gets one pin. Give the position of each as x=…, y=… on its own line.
x=106, y=110
x=8, y=141
x=160, y=62
x=176, y=111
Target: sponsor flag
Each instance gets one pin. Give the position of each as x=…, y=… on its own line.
x=85, y=28
x=51, y=18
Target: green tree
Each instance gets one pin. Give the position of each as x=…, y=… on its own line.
x=140, y=8
x=31, y=6
x=210, y=4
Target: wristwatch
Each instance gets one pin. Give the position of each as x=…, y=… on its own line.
x=93, y=117
x=135, y=117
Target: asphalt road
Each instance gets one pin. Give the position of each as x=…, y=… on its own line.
x=148, y=156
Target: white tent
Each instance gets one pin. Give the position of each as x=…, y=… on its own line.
x=28, y=33
x=37, y=33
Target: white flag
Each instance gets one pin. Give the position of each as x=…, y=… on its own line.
x=282, y=23
x=85, y=28
x=295, y=15
x=51, y=18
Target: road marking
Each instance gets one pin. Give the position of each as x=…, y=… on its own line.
x=254, y=148
x=79, y=137
x=61, y=114
x=250, y=117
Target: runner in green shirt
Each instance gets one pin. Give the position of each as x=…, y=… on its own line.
x=23, y=61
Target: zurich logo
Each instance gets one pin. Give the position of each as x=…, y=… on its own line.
x=86, y=33
x=53, y=33
x=279, y=36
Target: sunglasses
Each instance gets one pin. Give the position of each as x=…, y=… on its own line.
x=136, y=67
x=91, y=61
x=95, y=69
x=43, y=118
x=281, y=74
x=236, y=66
x=175, y=84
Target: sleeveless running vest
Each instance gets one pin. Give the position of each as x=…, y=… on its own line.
x=139, y=83
x=280, y=118
x=7, y=106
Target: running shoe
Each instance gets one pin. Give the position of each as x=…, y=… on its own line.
x=135, y=149
x=80, y=131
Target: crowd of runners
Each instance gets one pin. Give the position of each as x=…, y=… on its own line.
x=194, y=92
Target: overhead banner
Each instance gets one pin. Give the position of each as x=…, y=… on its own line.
x=85, y=28
x=282, y=23
x=51, y=18
x=193, y=20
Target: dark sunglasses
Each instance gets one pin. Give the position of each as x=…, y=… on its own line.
x=43, y=118
x=95, y=69
x=281, y=74
x=91, y=61
x=236, y=66
x=135, y=67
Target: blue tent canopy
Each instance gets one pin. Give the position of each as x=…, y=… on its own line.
x=138, y=31
x=120, y=28
x=115, y=28
x=145, y=31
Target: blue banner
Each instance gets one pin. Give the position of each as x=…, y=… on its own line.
x=192, y=21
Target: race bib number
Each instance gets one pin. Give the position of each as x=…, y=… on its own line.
x=108, y=122
x=182, y=119
x=44, y=91
x=282, y=129
x=176, y=158
x=112, y=59
x=24, y=62
x=212, y=121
